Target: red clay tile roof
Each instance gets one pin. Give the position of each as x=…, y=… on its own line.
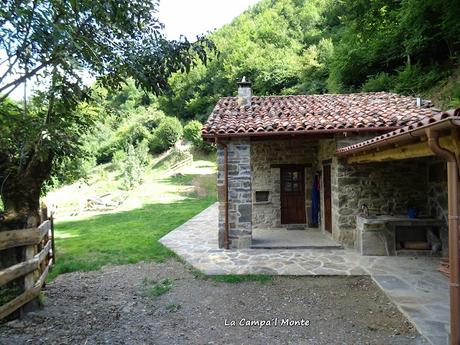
x=304, y=114
x=394, y=136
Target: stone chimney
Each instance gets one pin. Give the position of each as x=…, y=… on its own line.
x=244, y=92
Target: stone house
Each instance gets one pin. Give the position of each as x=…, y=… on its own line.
x=278, y=167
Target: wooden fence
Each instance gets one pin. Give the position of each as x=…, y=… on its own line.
x=38, y=245
x=185, y=162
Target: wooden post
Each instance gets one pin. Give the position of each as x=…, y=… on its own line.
x=34, y=266
x=29, y=281
x=53, y=254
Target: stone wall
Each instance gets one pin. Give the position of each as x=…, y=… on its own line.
x=265, y=177
x=385, y=187
x=326, y=152
x=437, y=197
x=239, y=193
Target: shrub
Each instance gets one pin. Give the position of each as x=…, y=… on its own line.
x=118, y=158
x=192, y=133
x=129, y=133
x=166, y=135
x=151, y=117
x=380, y=82
x=412, y=79
x=132, y=164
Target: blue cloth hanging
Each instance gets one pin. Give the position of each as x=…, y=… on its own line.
x=315, y=200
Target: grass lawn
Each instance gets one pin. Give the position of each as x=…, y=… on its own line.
x=120, y=238
x=131, y=234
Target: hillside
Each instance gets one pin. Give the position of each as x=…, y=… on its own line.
x=325, y=46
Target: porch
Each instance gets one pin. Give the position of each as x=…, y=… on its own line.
x=287, y=238
x=412, y=283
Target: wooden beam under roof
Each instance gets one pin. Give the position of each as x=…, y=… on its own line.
x=416, y=149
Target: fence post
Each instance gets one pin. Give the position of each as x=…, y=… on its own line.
x=53, y=251
x=29, y=282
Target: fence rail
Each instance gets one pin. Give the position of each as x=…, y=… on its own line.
x=185, y=162
x=39, y=251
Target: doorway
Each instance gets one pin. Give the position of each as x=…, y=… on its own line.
x=327, y=197
x=293, y=195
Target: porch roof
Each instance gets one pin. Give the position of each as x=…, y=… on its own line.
x=407, y=142
x=308, y=114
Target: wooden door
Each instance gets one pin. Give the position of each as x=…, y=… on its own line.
x=327, y=197
x=293, y=195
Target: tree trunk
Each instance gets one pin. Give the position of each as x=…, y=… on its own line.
x=20, y=193
x=21, y=199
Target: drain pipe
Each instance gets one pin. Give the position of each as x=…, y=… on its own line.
x=226, y=232
x=452, y=184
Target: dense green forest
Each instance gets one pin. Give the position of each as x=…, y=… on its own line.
x=329, y=46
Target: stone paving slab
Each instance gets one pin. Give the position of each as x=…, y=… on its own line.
x=412, y=283
x=284, y=238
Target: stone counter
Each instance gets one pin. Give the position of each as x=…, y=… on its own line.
x=376, y=235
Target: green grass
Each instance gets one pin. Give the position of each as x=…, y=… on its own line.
x=204, y=156
x=181, y=179
x=172, y=308
x=232, y=278
x=9, y=293
x=121, y=238
x=160, y=288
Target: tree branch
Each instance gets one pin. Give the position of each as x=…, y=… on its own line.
x=23, y=46
x=10, y=67
x=5, y=95
x=24, y=77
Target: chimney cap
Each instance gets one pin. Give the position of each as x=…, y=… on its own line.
x=244, y=82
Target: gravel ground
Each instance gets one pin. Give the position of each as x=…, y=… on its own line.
x=113, y=306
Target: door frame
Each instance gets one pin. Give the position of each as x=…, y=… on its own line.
x=291, y=167
x=327, y=191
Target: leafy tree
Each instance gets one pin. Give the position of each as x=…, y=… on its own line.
x=166, y=135
x=319, y=46
x=192, y=133
x=54, y=42
x=133, y=163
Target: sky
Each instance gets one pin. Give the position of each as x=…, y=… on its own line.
x=194, y=17
x=186, y=17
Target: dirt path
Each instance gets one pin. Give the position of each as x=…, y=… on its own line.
x=116, y=306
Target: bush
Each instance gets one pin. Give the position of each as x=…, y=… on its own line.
x=133, y=133
x=192, y=133
x=135, y=128
x=132, y=164
x=151, y=117
x=129, y=133
x=380, y=82
x=166, y=135
x=412, y=79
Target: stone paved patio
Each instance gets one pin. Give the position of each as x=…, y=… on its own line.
x=412, y=283
x=311, y=238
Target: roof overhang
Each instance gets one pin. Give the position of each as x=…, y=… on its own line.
x=407, y=142
x=298, y=133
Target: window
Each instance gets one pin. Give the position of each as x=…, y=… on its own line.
x=292, y=181
x=262, y=196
